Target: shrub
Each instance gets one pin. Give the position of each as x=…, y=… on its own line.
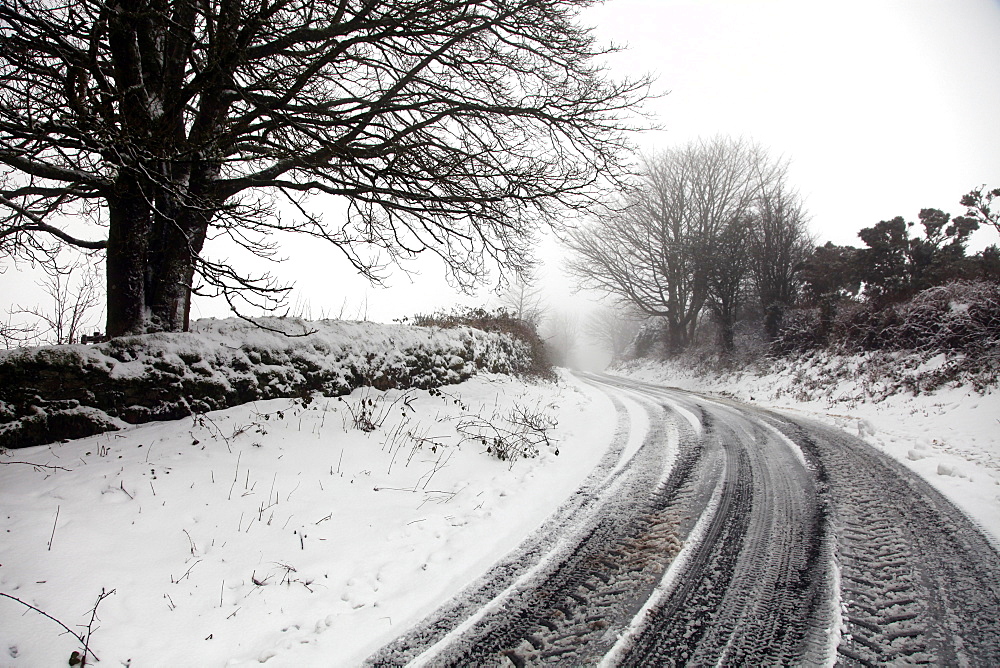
x=498, y=320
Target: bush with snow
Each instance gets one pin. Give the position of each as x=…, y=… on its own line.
x=57, y=392
x=962, y=316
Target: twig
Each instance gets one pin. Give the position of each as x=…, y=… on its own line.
x=187, y=573
x=54, y=522
x=235, y=475
x=70, y=631
x=90, y=626
x=44, y=614
x=190, y=540
x=40, y=466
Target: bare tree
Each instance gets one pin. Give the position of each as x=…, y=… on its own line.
x=728, y=275
x=74, y=293
x=454, y=127
x=614, y=327
x=14, y=334
x=779, y=244
x=522, y=298
x=561, y=334
x=656, y=249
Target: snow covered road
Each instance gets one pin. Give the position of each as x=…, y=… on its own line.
x=656, y=527
x=714, y=532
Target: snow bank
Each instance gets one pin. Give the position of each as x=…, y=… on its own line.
x=277, y=532
x=56, y=392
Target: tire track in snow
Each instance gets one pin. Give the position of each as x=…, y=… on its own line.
x=729, y=535
x=920, y=583
x=575, y=522
x=757, y=585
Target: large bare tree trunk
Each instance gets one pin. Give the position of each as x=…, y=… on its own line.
x=129, y=221
x=177, y=242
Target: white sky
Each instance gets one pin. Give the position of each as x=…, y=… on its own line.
x=884, y=107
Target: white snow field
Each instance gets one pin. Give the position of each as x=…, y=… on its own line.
x=287, y=534
x=950, y=436
x=276, y=532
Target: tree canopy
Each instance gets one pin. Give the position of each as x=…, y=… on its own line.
x=685, y=235
x=455, y=127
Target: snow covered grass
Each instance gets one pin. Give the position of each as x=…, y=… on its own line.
x=283, y=531
x=949, y=434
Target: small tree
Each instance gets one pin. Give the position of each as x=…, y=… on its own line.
x=74, y=293
x=15, y=334
x=614, y=327
x=561, y=334
x=522, y=298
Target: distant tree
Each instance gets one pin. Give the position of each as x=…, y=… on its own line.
x=883, y=264
x=728, y=288
x=896, y=265
x=978, y=205
x=522, y=298
x=779, y=243
x=561, y=332
x=451, y=127
x=613, y=327
x=655, y=249
x=830, y=277
x=939, y=256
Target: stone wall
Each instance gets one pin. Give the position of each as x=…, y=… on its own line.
x=53, y=393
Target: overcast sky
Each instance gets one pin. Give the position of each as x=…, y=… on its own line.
x=883, y=108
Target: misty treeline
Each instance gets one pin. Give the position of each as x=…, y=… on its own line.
x=141, y=131
x=711, y=244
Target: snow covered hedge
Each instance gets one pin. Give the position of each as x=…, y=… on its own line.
x=55, y=392
x=958, y=317
x=945, y=336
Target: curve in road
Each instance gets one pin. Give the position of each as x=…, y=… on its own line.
x=726, y=534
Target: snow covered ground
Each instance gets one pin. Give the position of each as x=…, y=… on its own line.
x=291, y=534
x=275, y=531
x=950, y=436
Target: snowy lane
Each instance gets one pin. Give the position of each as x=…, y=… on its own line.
x=713, y=532
x=895, y=573
x=685, y=549
x=757, y=583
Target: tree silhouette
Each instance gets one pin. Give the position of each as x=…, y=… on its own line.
x=454, y=127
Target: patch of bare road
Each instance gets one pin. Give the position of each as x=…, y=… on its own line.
x=712, y=532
